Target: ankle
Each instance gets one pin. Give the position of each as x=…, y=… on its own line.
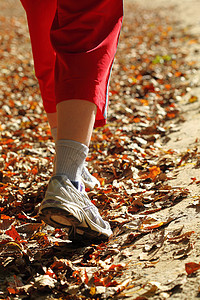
x=70, y=158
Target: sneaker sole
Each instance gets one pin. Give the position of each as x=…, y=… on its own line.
x=72, y=216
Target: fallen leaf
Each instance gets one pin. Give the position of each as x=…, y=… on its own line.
x=183, y=252
x=192, y=267
x=44, y=281
x=14, y=234
x=193, y=99
x=181, y=238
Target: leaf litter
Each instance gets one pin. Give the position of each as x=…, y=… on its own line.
x=150, y=77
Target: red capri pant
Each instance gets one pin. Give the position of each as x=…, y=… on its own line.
x=74, y=44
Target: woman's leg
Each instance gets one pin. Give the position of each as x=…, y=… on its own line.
x=76, y=120
x=85, y=36
x=40, y=16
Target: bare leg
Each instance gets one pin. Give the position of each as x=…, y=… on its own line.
x=89, y=180
x=76, y=120
x=52, y=119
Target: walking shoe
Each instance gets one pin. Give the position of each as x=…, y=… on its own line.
x=89, y=180
x=65, y=206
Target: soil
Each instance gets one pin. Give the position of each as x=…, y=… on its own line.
x=186, y=136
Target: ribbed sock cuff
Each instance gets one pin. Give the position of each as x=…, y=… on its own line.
x=70, y=158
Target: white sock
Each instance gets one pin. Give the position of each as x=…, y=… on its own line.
x=70, y=158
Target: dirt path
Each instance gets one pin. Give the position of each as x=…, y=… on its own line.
x=184, y=138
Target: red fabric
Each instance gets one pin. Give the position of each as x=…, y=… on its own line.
x=40, y=14
x=84, y=35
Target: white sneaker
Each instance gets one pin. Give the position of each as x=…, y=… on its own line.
x=89, y=180
x=65, y=206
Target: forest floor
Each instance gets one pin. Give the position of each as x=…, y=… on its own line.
x=147, y=159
